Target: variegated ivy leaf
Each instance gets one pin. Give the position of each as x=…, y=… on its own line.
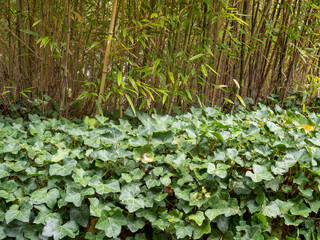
x=111, y=223
x=259, y=174
x=53, y=228
x=130, y=197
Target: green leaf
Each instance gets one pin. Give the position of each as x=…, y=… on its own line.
x=19, y=212
x=196, y=56
x=63, y=170
x=80, y=215
x=220, y=170
x=111, y=185
x=42, y=195
x=44, y=213
x=30, y=32
x=97, y=206
x=99, y=236
x=271, y=210
x=283, y=206
x=162, y=137
x=57, y=231
x=300, y=209
x=4, y=170
x=183, y=230
x=152, y=182
x=129, y=197
x=134, y=224
x=131, y=103
x=80, y=176
x=241, y=100
x=199, y=231
x=259, y=174
x=73, y=195
x=60, y=155
x=198, y=217
x=165, y=180
x=111, y=223
x=120, y=79
x=204, y=70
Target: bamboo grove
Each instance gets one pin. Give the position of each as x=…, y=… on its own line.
x=110, y=54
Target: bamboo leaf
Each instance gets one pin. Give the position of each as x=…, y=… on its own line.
x=228, y=100
x=99, y=107
x=236, y=82
x=30, y=32
x=120, y=79
x=212, y=70
x=131, y=104
x=204, y=70
x=171, y=76
x=36, y=23
x=241, y=100
x=196, y=56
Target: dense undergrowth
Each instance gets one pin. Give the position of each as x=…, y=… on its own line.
x=199, y=175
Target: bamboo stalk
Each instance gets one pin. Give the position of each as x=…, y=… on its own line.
x=121, y=62
x=107, y=51
x=65, y=88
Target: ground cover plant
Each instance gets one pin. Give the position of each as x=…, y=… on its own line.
x=198, y=175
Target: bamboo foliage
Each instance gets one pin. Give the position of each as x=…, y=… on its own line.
x=166, y=55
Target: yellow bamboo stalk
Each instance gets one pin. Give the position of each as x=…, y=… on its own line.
x=65, y=70
x=107, y=52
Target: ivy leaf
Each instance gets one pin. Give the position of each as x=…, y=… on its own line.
x=44, y=213
x=44, y=196
x=96, y=207
x=259, y=174
x=111, y=185
x=183, y=230
x=57, y=231
x=80, y=176
x=152, y=182
x=4, y=170
x=19, y=212
x=199, y=231
x=162, y=137
x=60, y=155
x=222, y=207
x=73, y=195
x=129, y=195
x=80, y=215
x=283, y=206
x=300, y=209
x=3, y=235
x=198, y=217
x=111, y=223
x=271, y=210
x=99, y=236
x=165, y=180
x=134, y=224
x=220, y=170
x=62, y=170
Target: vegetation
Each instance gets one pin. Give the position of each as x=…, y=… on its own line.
x=74, y=164
x=101, y=55
x=204, y=174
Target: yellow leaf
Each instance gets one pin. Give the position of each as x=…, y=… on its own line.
x=236, y=82
x=308, y=128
